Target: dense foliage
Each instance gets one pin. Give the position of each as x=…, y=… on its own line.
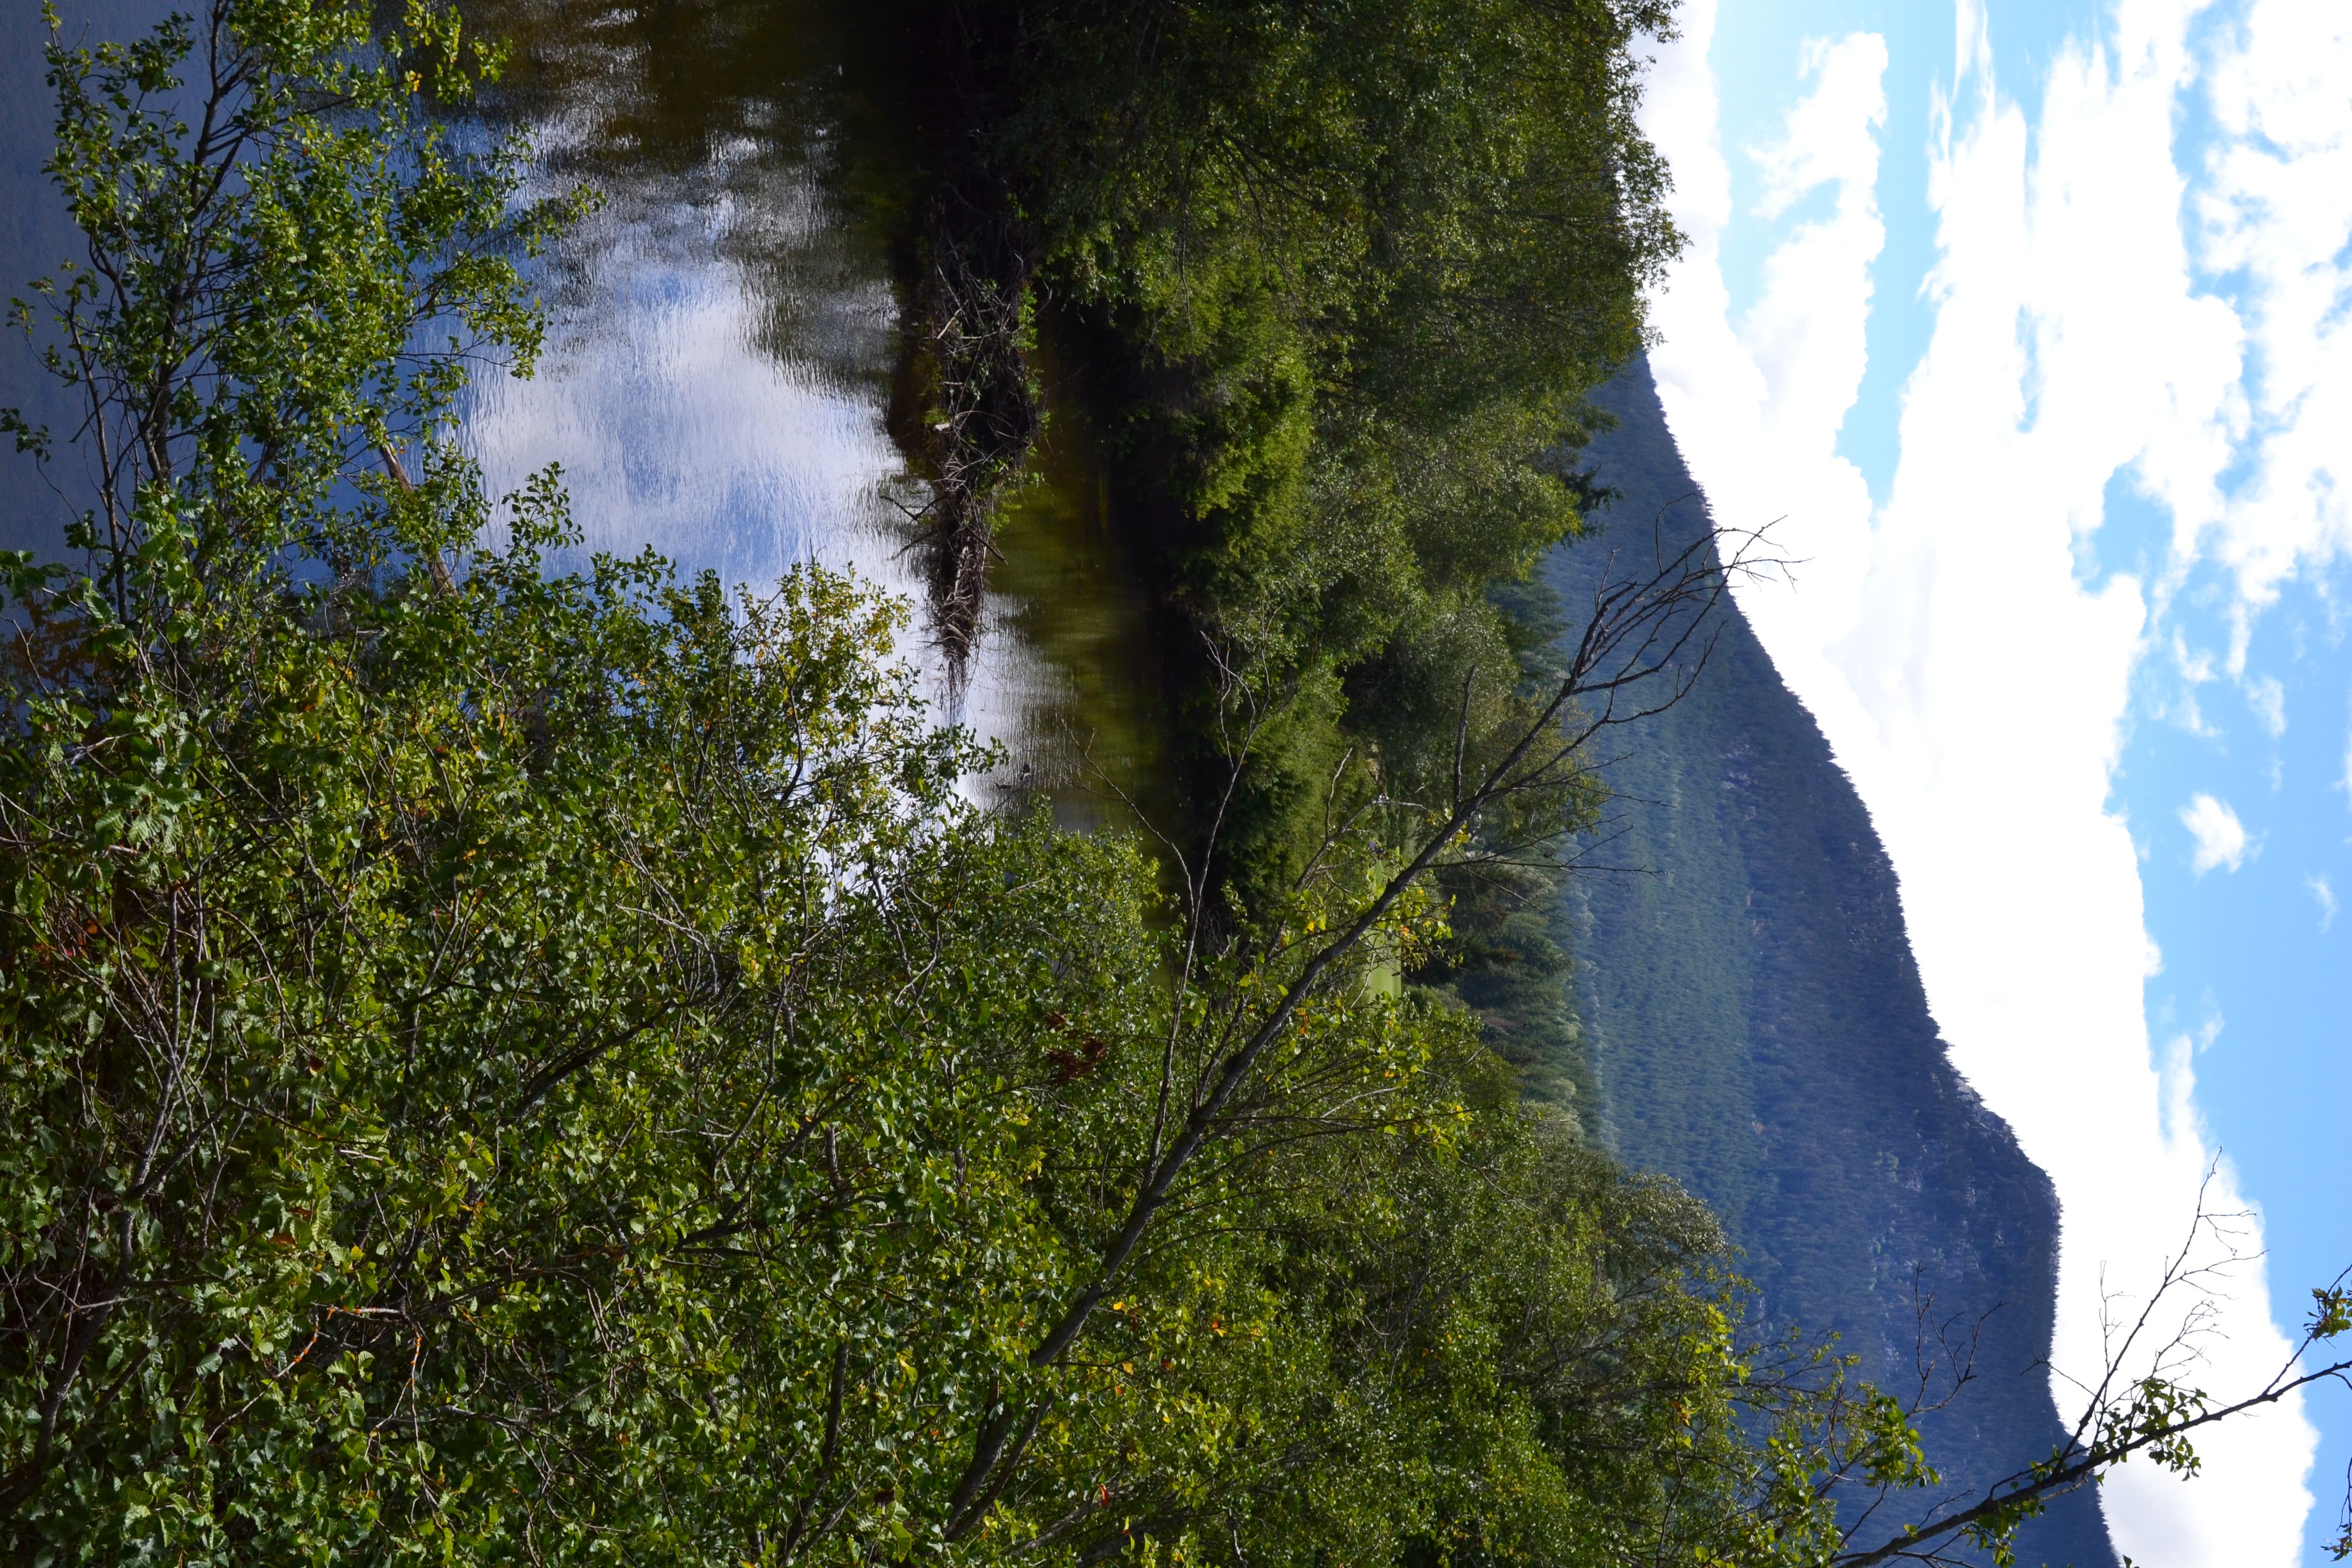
x=510, y=1067
x=1346, y=270
x=1340, y=277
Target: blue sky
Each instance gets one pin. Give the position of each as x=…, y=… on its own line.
x=2025, y=325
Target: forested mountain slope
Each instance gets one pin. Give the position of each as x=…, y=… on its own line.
x=1756, y=1027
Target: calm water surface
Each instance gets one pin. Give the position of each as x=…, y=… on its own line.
x=726, y=340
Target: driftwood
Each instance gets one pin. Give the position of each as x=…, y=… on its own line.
x=972, y=324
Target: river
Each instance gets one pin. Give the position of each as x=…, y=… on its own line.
x=724, y=344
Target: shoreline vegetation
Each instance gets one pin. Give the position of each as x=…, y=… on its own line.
x=1340, y=280
x=513, y=1065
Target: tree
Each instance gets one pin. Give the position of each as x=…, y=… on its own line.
x=511, y=1065
x=2140, y=1404
x=449, y=1008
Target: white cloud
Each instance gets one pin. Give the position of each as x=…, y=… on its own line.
x=2222, y=838
x=2196, y=668
x=2325, y=891
x=1766, y=396
x=2196, y=665
x=1830, y=137
x=1972, y=684
x=2277, y=213
x=2267, y=697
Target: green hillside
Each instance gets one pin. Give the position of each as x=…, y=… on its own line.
x=1755, y=1025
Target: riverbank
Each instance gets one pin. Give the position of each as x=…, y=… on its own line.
x=1334, y=287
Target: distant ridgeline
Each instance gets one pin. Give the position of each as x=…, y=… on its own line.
x=1754, y=1026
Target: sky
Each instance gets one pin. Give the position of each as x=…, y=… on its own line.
x=2027, y=327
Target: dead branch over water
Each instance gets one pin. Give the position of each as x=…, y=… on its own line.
x=981, y=414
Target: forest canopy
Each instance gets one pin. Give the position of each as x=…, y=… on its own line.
x=1341, y=276
x=507, y=1065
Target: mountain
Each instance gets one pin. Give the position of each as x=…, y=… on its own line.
x=1753, y=1024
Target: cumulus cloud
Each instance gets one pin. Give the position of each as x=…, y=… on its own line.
x=1829, y=138
x=2325, y=891
x=2277, y=213
x=2220, y=837
x=1949, y=633
x=1764, y=396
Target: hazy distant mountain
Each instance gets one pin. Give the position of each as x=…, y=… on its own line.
x=1755, y=1027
